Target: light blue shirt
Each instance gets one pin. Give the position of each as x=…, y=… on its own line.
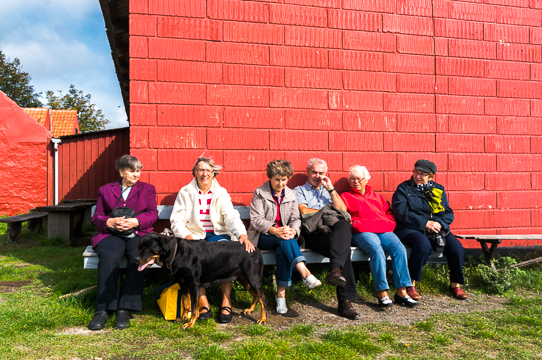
x=312, y=197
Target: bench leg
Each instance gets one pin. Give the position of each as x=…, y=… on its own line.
x=35, y=225
x=489, y=254
x=14, y=231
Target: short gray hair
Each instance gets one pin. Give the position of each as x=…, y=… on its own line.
x=316, y=161
x=128, y=161
x=208, y=161
x=360, y=171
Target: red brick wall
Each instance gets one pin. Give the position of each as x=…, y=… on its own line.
x=380, y=83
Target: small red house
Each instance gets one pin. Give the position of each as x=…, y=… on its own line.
x=42, y=116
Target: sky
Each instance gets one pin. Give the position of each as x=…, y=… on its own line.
x=63, y=42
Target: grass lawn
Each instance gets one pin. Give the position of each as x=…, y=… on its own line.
x=35, y=324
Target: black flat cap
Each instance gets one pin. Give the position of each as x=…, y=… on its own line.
x=426, y=166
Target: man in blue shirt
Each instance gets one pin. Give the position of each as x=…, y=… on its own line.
x=318, y=192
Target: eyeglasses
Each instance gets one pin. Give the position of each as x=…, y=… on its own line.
x=421, y=174
x=354, y=180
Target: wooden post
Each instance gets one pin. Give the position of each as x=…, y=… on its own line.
x=14, y=231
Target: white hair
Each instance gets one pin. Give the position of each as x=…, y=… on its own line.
x=360, y=171
x=316, y=161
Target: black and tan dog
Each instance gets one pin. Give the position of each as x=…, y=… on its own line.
x=195, y=264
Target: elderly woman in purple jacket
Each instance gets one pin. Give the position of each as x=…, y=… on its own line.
x=141, y=197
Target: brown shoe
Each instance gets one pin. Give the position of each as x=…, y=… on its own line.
x=458, y=293
x=347, y=310
x=335, y=278
x=411, y=291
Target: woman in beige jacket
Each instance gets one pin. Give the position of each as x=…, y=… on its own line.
x=275, y=225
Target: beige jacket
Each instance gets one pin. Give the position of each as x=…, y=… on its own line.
x=263, y=212
x=225, y=218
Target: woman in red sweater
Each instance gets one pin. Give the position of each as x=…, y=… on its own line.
x=372, y=231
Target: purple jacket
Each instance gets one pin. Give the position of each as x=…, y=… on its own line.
x=142, y=197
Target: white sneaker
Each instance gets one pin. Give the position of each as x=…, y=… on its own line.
x=311, y=282
x=281, y=305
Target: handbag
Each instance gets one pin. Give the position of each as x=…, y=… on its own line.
x=169, y=300
x=438, y=240
x=120, y=212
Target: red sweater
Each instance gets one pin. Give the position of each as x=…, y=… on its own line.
x=370, y=212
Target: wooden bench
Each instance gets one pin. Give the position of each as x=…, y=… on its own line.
x=34, y=219
x=66, y=219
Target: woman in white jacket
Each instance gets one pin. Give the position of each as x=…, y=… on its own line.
x=203, y=211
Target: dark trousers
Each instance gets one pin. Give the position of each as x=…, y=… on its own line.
x=421, y=249
x=337, y=248
x=110, y=251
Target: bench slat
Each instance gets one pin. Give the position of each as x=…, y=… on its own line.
x=23, y=217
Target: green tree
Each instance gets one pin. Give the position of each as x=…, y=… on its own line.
x=90, y=118
x=15, y=83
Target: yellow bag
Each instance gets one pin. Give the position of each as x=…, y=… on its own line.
x=169, y=301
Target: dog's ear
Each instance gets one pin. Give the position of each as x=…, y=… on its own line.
x=166, y=242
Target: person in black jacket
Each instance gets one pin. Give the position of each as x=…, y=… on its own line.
x=420, y=206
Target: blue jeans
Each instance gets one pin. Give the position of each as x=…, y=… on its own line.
x=287, y=254
x=374, y=245
x=211, y=237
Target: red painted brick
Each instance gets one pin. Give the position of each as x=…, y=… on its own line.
x=419, y=103
x=469, y=220
x=416, y=123
x=506, y=33
x=139, y=137
x=313, y=37
x=237, y=10
x=441, y=47
x=226, y=139
x=536, y=143
x=371, y=41
x=258, y=118
x=237, y=95
x=424, y=84
x=356, y=100
x=139, y=47
x=144, y=25
x=519, y=126
x=177, y=138
x=147, y=157
x=460, y=105
x=300, y=57
x=355, y=20
x=513, y=107
x=358, y=80
x=472, y=49
x=519, y=200
x=170, y=182
x=472, y=200
x=470, y=11
x=507, y=144
x=297, y=15
x=189, y=28
x=519, y=52
x=173, y=93
x=139, y=92
x=518, y=3
x=442, y=123
x=356, y=60
x=176, y=49
x=472, y=86
x=238, y=53
x=253, y=33
x=142, y=69
x=536, y=71
x=249, y=160
x=536, y=108
x=518, y=16
x=406, y=161
x=507, y=70
x=313, y=120
x=459, y=29
x=142, y=114
x=508, y=218
x=519, y=162
x=321, y=3
x=520, y=89
x=414, y=7
x=355, y=141
x=536, y=36
x=370, y=5
x=299, y=98
x=409, y=142
x=535, y=4
x=189, y=8
x=414, y=64
x=296, y=140
x=392, y=179
x=412, y=44
x=183, y=160
x=313, y=78
x=182, y=115
x=407, y=24
x=189, y=71
x=536, y=181
x=460, y=143
x=460, y=67
x=138, y=6
x=372, y=161
x=441, y=86
x=465, y=181
x=472, y=124
x=470, y=162
x=253, y=75
x=239, y=182
x=300, y=160
x=369, y=121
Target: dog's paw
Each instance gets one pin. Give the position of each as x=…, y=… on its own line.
x=187, y=326
x=248, y=311
x=261, y=321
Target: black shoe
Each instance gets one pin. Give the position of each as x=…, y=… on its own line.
x=225, y=318
x=385, y=302
x=407, y=300
x=347, y=310
x=206, y=315
x=123, y=319
x=98, y=321
x=335, y=278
